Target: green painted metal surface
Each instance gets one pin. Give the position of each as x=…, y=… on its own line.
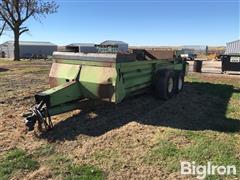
x=102, y=80
x=63, y=93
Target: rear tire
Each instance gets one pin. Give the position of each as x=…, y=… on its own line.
x=164, y=84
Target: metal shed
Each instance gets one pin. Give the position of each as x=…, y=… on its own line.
x=82, y=47
x=28, y=49
x=115, y=46
x=233, y=48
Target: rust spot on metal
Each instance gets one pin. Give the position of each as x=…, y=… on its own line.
x=58, y=74
x=52, y=76
x=53, y=82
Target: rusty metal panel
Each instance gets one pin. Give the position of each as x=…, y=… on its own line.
x=62, y=73
x=161, y=53
x=98, y=82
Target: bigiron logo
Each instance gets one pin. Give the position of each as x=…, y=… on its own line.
x=201, y=171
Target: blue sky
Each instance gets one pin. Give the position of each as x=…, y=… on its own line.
x=139, y=22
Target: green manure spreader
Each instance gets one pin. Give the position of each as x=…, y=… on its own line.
x=106, y=76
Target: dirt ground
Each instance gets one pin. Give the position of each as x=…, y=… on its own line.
x=119, y=139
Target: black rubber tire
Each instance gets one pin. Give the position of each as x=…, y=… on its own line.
x=179, y=76
x=162, y=81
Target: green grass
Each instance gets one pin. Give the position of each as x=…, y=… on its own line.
x=204, y=147
x=59, y=165
x=84, y=172
x=165, y=154
x=221, y=88
x=16, y=160
x=63, y=168
x=45, y=150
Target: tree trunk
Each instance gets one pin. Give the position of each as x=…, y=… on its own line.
x=16, y=46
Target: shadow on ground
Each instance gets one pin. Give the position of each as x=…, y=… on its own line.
x=3, y=69
x=201, y=106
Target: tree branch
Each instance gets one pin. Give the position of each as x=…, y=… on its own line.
x=3, y=28
x=23, y=30
x=7, y=20
x=10, y=12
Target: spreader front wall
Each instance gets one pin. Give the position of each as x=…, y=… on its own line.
x=97, y=80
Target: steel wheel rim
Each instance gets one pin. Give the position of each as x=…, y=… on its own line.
x=170, y=85
x=180, y=83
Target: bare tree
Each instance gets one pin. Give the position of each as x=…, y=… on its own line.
x=16, y=12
